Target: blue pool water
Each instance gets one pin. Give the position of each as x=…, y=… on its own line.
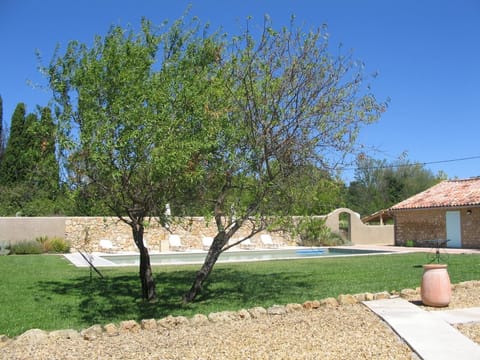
x=236, y=256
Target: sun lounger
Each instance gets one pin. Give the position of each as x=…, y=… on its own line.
x=107, y=246
x=267, y=241
x=247, y=244
x=207, y=242
x=175, y=243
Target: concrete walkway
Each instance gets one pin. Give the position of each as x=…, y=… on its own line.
x=459, y=316
x=429, y=333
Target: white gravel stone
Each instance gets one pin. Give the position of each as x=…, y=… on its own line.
x=338, y=332
x=65, y=334
x=92, y=333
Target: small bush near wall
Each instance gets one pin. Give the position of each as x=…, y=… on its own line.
x=314, y=232
x=57, y=245
x=26, y=247
x=4, y=248
x=40, y=245
x=410, y=243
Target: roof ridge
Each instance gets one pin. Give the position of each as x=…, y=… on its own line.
x=466, y=179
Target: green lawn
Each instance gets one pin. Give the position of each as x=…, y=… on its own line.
x=47, y=292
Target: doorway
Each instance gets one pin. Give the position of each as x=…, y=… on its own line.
x=454, y=229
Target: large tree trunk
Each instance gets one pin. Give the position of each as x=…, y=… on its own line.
x=146, y=275
x=213, y=253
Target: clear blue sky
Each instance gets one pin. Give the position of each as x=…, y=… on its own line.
x=427, y=54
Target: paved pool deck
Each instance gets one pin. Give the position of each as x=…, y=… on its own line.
x=96, y=258
x=408, y=249
x=429, y=333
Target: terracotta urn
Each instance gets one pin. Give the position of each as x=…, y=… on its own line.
x=436, y=288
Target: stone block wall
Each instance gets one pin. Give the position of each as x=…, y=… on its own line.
x=428, y=224
x=470, y=220
x=86, y=232
x=419, y=225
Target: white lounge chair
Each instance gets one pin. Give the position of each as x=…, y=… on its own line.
x=107, y=246
x=175, y=243
x=247, y=244
x=207, y=242
x=233, y=241
x=267, y=241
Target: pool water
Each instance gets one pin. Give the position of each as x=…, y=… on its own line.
x=236, y=256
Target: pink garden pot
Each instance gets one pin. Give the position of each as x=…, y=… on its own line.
x=436, y=288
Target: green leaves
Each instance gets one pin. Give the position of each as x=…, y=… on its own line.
x=135, y=132
x=153, y=116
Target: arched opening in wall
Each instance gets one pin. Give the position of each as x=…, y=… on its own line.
x=344, y=226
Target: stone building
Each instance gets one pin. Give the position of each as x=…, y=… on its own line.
x=449, y=211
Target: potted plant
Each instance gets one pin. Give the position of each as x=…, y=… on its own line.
x=436, y=288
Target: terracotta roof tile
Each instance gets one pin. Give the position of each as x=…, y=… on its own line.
x=449, y=193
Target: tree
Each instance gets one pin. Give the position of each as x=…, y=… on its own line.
x=134, y=120
x=45, y=170
x=291, y=106
x=310, y=191
x=2, y=132
x=13, y=168
x=30, y=177
x=379, y=184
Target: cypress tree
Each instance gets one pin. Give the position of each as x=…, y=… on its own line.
x=11, y=166
x=2, y=135
x=29, y=170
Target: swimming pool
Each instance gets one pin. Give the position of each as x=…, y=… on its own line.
x=234, y=256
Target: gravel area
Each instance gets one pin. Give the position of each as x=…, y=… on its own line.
x=328, y=332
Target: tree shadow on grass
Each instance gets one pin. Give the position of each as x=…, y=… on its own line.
x=118, y=297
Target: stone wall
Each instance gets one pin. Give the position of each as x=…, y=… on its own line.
x=428, y=224
x=86, y=233
x=419, y=225
x=470, y=222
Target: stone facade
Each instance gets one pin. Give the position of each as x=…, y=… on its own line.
x=86, y=232
x=428, y=224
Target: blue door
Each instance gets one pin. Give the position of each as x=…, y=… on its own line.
x=454, y=229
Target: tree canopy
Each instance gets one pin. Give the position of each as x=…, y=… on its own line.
x=227, y=122
x=379, y=184
x=29, y=172
x=134, y=118
x=292, y=107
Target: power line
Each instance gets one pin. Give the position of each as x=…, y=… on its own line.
x=411, y=164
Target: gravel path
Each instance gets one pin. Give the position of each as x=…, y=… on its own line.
x=328, y=332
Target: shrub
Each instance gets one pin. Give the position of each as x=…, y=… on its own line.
x=410, y=243
x=58, y=245
x=43, y=241
x=314, y=232
x=26, y=247
x=53, y=245
x=4, y=248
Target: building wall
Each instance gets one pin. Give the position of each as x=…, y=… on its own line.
x=360, y=233
x=430, y=224
x=85, y=233
x=17, y=229
x=470, y=228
